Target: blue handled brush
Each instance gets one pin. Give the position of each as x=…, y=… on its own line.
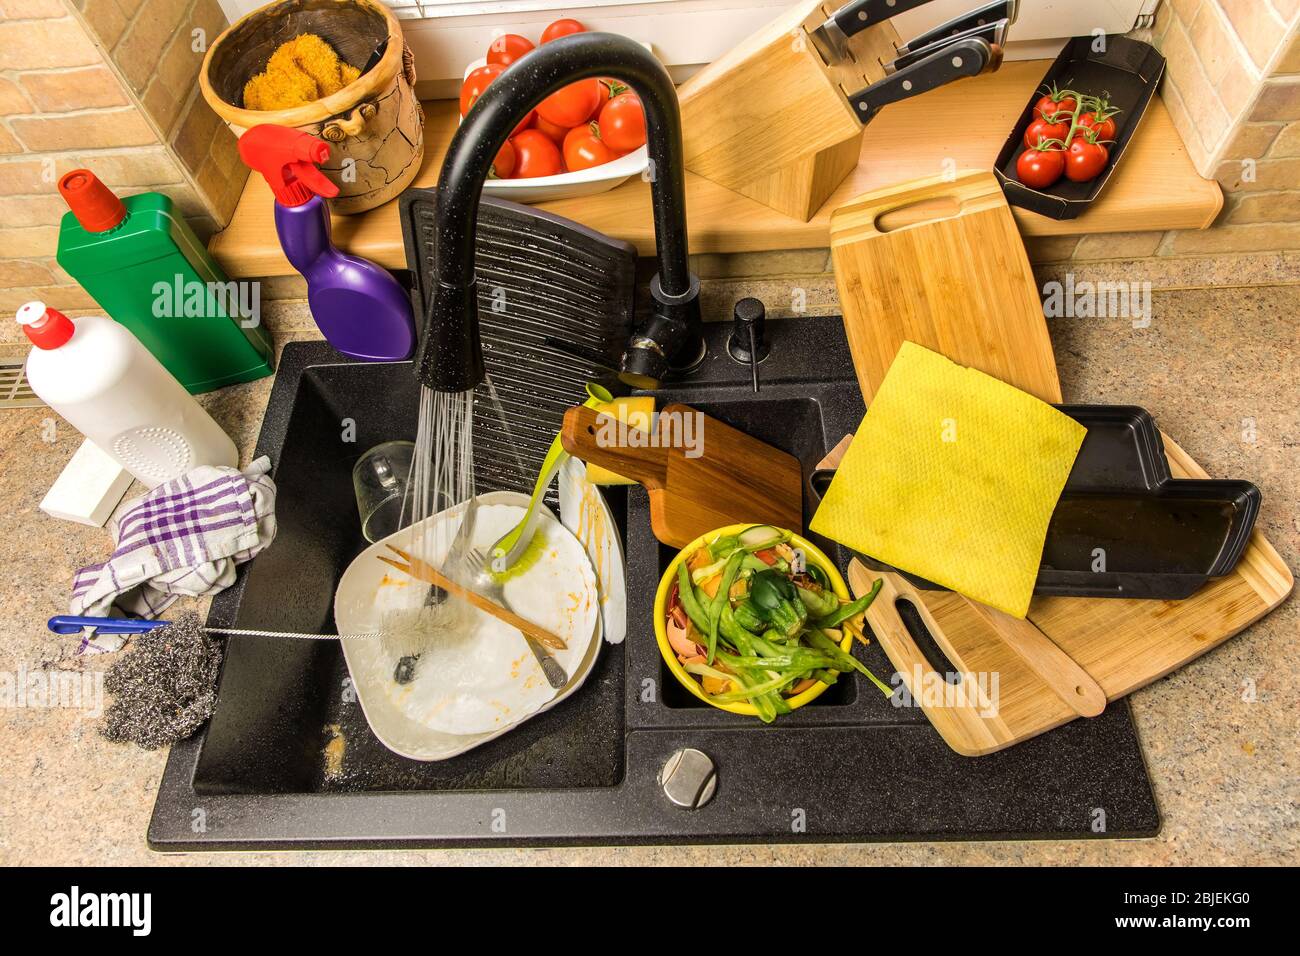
x=73, y=624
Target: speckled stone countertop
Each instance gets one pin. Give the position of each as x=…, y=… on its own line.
x=1219, y=369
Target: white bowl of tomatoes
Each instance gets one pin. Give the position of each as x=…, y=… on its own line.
x=586, y=139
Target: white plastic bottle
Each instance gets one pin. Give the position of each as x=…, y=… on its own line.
x=98, y=376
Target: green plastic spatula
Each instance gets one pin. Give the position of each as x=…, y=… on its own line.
x=514, y=542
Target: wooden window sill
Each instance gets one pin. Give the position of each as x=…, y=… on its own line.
x=1155, y=189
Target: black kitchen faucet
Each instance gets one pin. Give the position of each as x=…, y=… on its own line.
x=450, y=356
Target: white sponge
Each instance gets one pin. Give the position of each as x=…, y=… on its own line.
x=89, y=487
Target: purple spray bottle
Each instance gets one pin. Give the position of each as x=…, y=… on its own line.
x=358, y=306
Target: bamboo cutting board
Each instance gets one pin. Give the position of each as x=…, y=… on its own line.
x=701, y=476
x=939, y=262
x=1121, y=644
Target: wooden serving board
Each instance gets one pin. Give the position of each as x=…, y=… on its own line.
x=721, y=477
x=1122, y=644
x=940, y=263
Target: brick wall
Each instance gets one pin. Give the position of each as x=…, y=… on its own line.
x=110, y=85
x=1232, y=86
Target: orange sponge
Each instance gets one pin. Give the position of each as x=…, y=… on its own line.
x=300, y=70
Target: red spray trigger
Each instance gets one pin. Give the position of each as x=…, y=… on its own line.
x=288, y=159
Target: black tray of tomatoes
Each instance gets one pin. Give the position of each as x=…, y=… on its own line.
x=1073, y=133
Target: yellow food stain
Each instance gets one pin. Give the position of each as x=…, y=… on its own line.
x=530, y=682
x=1248, y=747
x=389, y=582
x=591, y=532
x=334, y=751
x=516, y=666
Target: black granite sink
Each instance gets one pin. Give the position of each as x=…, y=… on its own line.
x=850, y=767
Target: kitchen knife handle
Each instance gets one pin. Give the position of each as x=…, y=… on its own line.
x=605, y=441
x=963, y=58
x=856, y=16
x=989, y=13
x=995, y=34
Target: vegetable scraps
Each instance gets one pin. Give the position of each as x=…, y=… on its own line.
x=300, y=70
x=753, y=623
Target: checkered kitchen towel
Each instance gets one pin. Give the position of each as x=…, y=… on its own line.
x=184, y=537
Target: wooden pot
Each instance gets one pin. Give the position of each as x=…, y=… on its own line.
x=374, y=125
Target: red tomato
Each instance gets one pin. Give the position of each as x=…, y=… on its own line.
x=609, y=88
x=1041, y=129
x=1085, y=160
x=1039, y=168
x=1055, y=101
x=583, y=148
x=562, y=28
x=507, y=48
x=474, y=86
x=556, y=133
x=622, y=123
x=767, y=556
x=535, y=155
x=504, y=164
x=573, y=105
x=1103, y=125
x=476, y=83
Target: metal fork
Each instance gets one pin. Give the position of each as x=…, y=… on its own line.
x=482, y=581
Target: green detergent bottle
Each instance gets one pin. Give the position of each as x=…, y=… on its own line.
x=146, y=268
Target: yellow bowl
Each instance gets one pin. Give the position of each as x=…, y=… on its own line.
x=811, y=552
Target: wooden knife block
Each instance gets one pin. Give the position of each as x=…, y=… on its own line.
x=772, y=121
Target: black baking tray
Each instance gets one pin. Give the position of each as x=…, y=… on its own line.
x=1160, y=537
x=1128, y=72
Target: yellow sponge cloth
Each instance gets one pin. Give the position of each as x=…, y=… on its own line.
x=953, y=476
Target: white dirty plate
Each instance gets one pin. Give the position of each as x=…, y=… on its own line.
x=585, y=512
x=471, y=687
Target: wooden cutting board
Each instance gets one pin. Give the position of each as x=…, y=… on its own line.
x=939, y=262
x=700, y=476
x=1122, y=644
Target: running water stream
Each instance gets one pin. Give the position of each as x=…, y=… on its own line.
x=442, y=479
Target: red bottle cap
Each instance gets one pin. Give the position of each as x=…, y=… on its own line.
x=47, y=328
x=93, y=203
x=287, y=159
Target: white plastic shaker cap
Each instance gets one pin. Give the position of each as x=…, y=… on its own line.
x=33, y=313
